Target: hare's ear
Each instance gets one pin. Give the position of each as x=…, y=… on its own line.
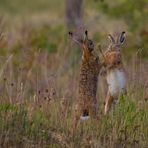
x=74, y=38
x=85, y=35
x=122, y=38
x=111, y=38
x=70, y=33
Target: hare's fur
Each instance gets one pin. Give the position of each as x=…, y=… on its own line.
x=116, y=76
x=86, y=103
x=88, y=80
x=116, y=80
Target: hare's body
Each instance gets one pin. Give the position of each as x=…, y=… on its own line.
x=116, y=76
x=116, y=80
x=88, y=80
x=86, y=102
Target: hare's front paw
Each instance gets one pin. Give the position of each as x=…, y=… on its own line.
x=103, y=72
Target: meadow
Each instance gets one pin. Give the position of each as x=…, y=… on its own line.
x=39, y=73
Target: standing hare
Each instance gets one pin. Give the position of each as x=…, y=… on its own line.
x=86, y=105
x=115, y=72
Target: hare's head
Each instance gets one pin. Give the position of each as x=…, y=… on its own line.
x=86, y=44
x=113, y=53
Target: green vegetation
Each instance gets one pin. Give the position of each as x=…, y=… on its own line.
x=39, y=71
x=22, y=126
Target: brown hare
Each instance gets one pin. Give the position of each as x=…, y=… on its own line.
x=115, y=72
x=88, y=79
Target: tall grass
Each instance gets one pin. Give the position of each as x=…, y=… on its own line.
x=38, y=89
x=39, y=72
x=45, y=126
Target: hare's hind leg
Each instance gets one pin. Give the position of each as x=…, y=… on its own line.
x=108, y=103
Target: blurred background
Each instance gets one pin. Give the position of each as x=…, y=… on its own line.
x=36, y=53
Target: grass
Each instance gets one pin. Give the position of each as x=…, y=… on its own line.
x=39, y=72
x=23, y=126
x=39, y=83
x=38, y=91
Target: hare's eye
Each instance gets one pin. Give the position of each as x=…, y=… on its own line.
x=90, y=44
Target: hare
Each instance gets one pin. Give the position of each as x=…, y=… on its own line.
x=115, y=72
x=90, y=67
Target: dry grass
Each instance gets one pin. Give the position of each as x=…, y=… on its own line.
x=39, y=72
x=39, y=86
